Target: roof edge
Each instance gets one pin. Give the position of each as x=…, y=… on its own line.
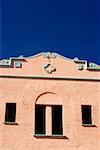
x=82, y=64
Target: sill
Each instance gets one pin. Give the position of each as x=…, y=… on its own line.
x=88, y=125
x=50, y=136
x=11, y=123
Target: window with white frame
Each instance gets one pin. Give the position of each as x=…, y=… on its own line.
x=48, y=119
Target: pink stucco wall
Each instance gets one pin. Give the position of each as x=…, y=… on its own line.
x=25, y=92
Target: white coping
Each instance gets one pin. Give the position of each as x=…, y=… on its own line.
x=21, y=57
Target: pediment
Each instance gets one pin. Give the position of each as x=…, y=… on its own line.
x=50, y=59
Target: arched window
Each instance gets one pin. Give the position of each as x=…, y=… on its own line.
x=48, y=115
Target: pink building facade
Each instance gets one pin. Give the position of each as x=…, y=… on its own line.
x=49, y=102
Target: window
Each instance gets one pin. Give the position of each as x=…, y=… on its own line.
x=40, y=119
x=48, y=121
x=10, y=112
x=57, y=120
x=86, y=114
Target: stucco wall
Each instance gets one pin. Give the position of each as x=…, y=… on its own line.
x=72, y=94
x=18, y=137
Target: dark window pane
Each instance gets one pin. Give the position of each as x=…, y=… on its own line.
x=10, y=112
x=86, y=114
x=57, y=120
x=39, y=119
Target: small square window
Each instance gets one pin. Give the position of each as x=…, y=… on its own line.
x=86, y=114
x=10, y=114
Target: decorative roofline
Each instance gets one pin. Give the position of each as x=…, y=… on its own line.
x=10, y=62
x=81, y=64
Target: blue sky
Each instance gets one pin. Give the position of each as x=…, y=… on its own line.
x=69, y=27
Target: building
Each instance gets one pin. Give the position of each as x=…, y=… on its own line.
x=49, y=102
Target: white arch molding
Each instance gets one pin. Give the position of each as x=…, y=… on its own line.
x=48, y=98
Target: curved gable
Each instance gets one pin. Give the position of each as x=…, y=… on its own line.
x=48, y=64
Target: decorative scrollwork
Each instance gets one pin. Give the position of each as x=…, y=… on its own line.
x=49, y=68
x=49, y=55
x=18, y=64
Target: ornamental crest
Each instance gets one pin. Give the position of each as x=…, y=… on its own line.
x=49, y=68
